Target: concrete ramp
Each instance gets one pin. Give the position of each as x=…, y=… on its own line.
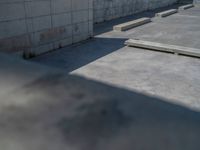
x=164, y=47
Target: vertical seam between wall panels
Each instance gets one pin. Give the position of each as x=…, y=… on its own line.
x=72, y=24
x=51, y=15
x=88, y=17
x=27, y=32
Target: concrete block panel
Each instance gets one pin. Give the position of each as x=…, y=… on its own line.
x=90, y=16
x=37, y=8
x=62, y=43
x=91, y=23
x=50, y=24
x=51, y=35
x=91, y=3
x=12, y=28
x=61, y=6
x=80, y=28
x=11, y=11
x=107, y=10
x=80, y=37
x=13, y=44
x=80, y=16
x=41, y=49
x=80, y=5
x=38, y=23
x=61, y=19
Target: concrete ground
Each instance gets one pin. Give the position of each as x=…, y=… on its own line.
x=106, y=59
x=44, y=109
x=131, y=99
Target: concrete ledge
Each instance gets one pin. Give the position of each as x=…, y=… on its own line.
x=164, y=47
x=186, y=7
x=131, y=24
x=166, y=13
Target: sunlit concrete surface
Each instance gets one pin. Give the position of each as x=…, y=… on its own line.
x=105, y=59
x=178, y=50
x=179, y=29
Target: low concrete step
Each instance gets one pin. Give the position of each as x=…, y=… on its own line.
x=131, y=24
x=164, y=47
x=186, y=7
x=166, y=13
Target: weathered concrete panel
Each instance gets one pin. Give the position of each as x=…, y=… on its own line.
x=110, y=9
x=12, y=28
x=36, y=18
x=48, y=24
x=11, y=11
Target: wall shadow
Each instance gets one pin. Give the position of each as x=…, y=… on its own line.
x=78, y=55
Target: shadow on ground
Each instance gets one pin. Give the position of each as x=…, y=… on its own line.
x=76, y=56
x=54, y=111
x=70, y=112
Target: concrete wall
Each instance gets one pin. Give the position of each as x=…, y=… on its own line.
x=185, y=1
x=110, y=9
x=43, y=25
x=38, y=26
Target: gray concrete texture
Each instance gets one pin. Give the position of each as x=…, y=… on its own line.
x=178, y=50
x=165, y=75
x=42, y=25
x=110, y=9
x=181, y=29
x=115, y=97
x=45, y=109
x=38, y=26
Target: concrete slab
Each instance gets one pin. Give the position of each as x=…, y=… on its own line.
x=166, y=13
x=185, y=7
x=131, y=24
x=164, y=47
x=180, y=29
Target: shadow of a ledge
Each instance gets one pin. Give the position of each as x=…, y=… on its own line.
x=73, y=57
